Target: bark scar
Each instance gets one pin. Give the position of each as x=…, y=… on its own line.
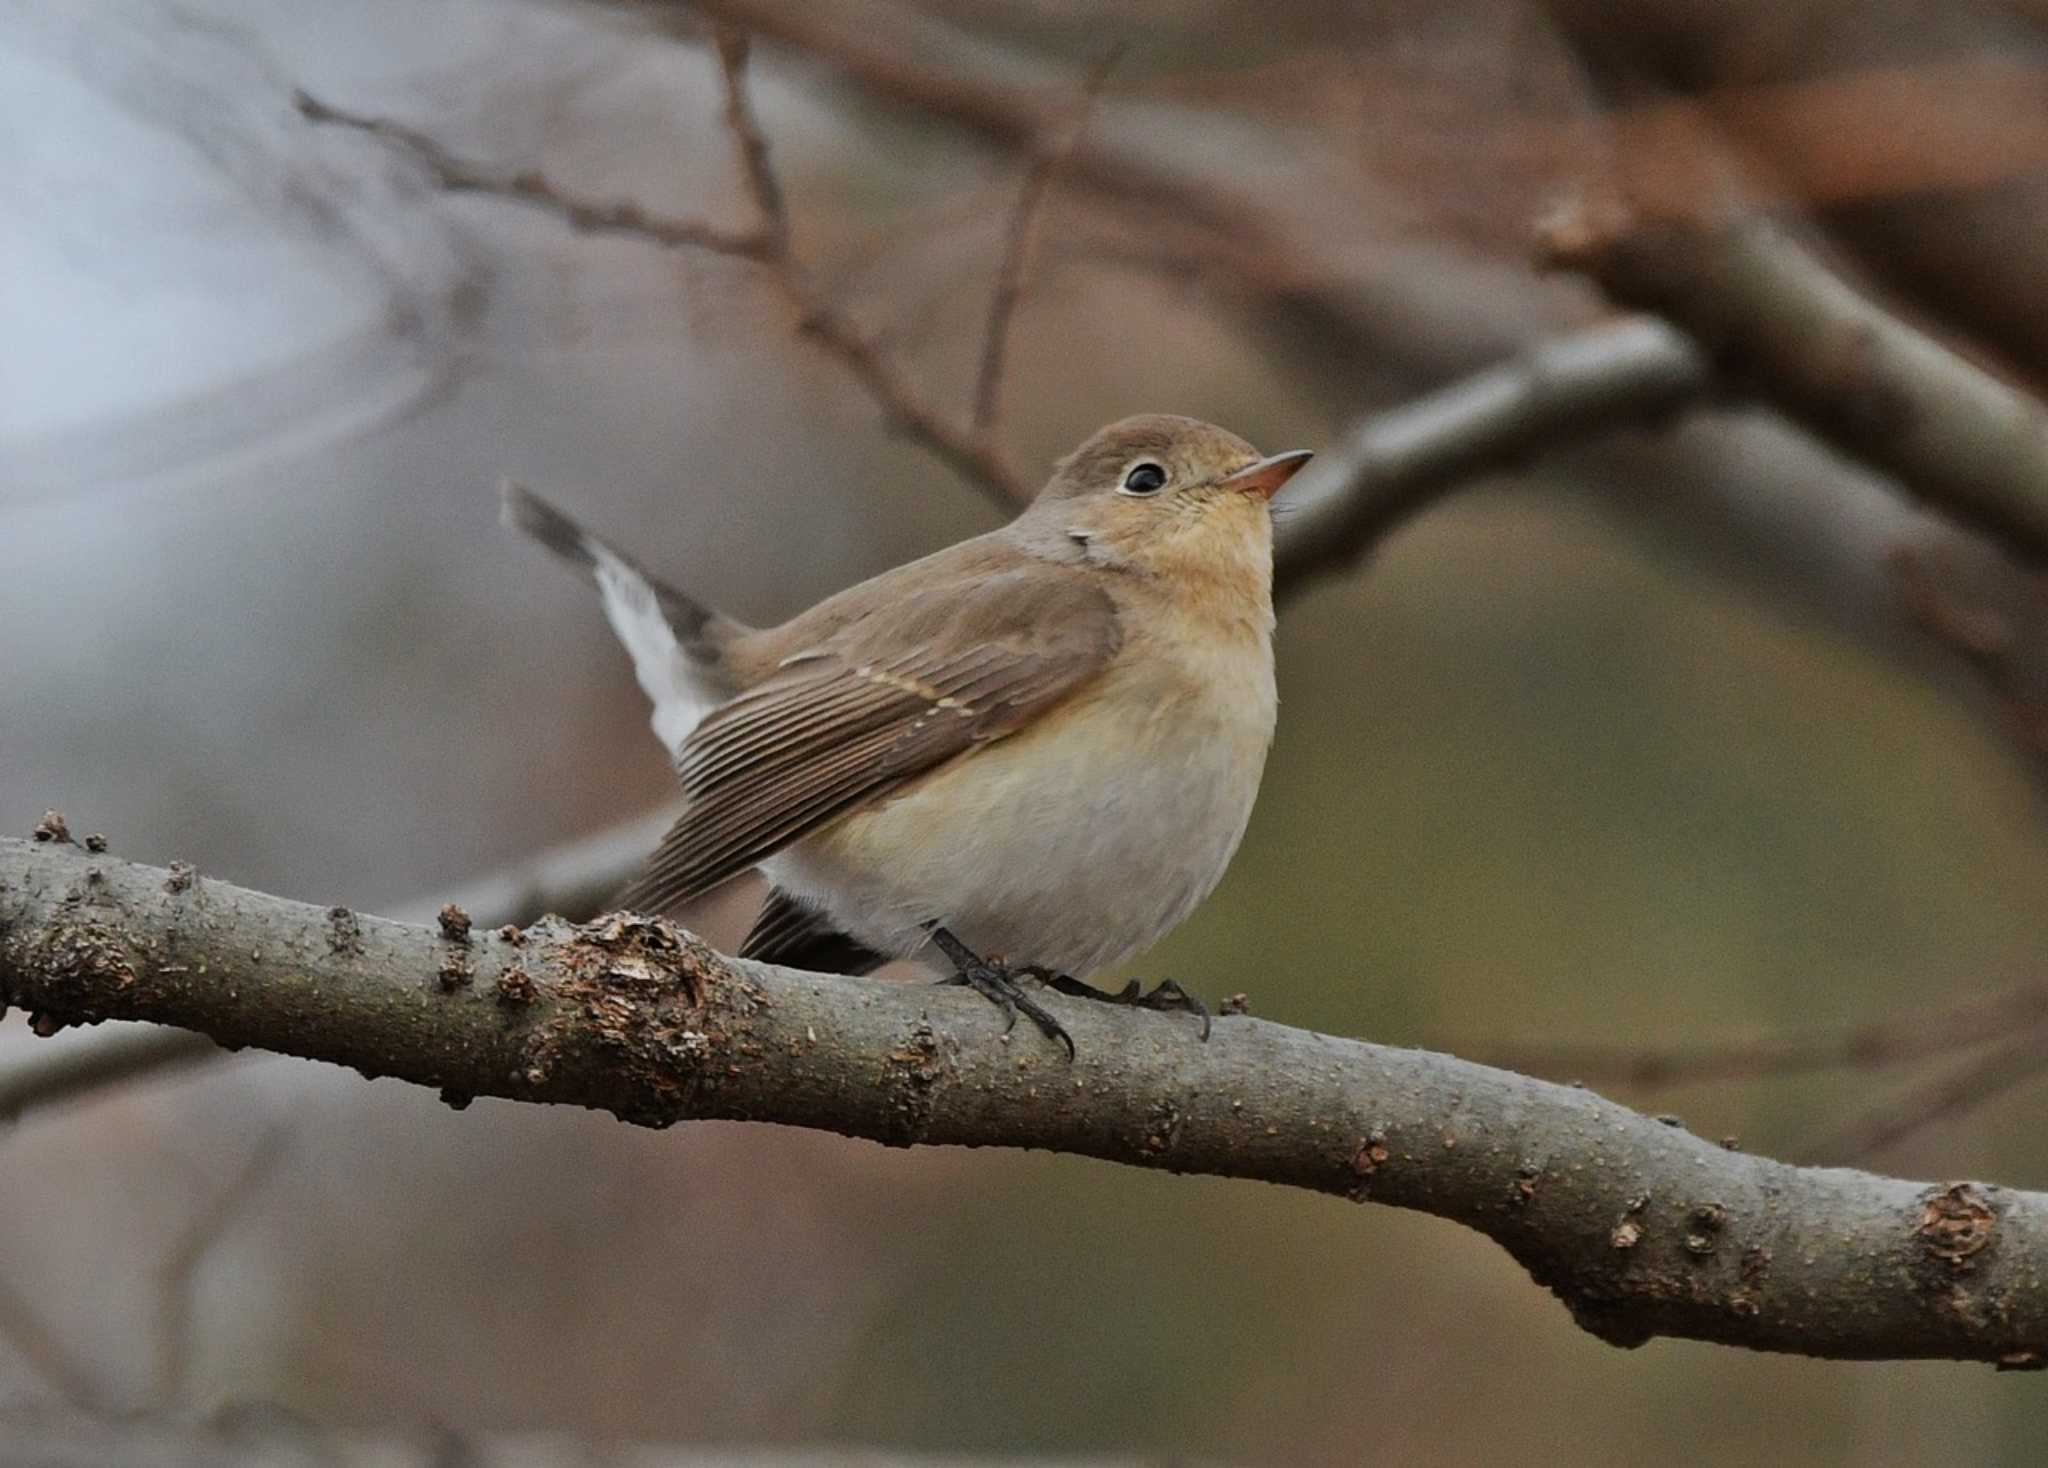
x=1956, y=1223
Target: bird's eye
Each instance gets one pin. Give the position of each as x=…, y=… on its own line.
x=1146, y=478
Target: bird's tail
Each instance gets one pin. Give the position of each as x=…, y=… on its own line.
x=676, y=642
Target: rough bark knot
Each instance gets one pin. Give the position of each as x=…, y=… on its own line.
x=1956, y=1222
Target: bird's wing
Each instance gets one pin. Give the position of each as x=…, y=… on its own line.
x=909, y=685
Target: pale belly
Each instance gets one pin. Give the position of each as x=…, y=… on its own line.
x=1073, y=844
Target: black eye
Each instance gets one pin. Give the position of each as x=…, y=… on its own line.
x=1145, y=478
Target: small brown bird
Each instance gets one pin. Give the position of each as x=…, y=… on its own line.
x=1042, y=743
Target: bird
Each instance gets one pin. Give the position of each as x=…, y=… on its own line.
x=1035, y=751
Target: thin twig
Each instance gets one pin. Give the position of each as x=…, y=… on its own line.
x=768, y=244
x=1953, y=1094
x=750, y=146
x=188, y=1250
x=22, y=1326
x=956, y=445
x=1882, y=1045
x=917, y=60
x=1009, y=283
x=536, y=190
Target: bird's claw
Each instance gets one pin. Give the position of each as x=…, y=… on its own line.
x=1166, y=996
x=998, y=984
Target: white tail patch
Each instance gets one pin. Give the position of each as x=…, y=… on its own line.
x=675, y=683
x=666, y=674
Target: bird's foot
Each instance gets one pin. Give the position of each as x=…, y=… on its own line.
x=1165, y=995
x=997, y=983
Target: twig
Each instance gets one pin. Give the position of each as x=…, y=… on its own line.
x=1641, y=1228
x=749, y=145
x=959, y=447
x=1778, y=318
x=1990, y=612
x=1846, y=115
x=85, y=1065
x=1875, y=1046
x=1009, y=283
x=910, y=58
x=1953, y=1094
x=768, y=244
x=536, y=190
x=23, y=1327
x=188, y=1250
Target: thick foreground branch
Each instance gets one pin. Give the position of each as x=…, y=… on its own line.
x=1642, y=1229
x=577, y=877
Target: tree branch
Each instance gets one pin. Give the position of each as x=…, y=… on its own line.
x=1643, y=1230
x=535, y=190
x=1009, y=286
x=1009, y=101
x=22, y=1326
x=963, y=450
x=1394, y=462
x=575, y=878
x=1869, y=1045
x=1956, y=1092
x=1842, y=366
x=188, y=1250
x=960, y=447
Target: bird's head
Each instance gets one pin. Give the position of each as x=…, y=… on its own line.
x=1171, y=496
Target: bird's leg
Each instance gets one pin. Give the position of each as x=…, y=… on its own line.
x=1165, y=995
x=997, y=983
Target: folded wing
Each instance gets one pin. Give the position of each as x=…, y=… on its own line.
x=896, y=693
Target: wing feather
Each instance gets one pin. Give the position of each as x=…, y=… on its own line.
x=897, y=693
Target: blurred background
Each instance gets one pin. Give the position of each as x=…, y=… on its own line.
x=1639, y=746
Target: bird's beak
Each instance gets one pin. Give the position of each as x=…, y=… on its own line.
x=1265, y=477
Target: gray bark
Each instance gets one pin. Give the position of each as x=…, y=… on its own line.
x=1640, y=1228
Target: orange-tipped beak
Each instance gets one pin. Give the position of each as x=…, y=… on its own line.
x=1266, y=476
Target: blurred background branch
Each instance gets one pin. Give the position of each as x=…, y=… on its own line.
x=1836, y=362
x=32, y=1338
x=1391, y=464
x=201, y=1235
x=1017, y=250
x=966, y=449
